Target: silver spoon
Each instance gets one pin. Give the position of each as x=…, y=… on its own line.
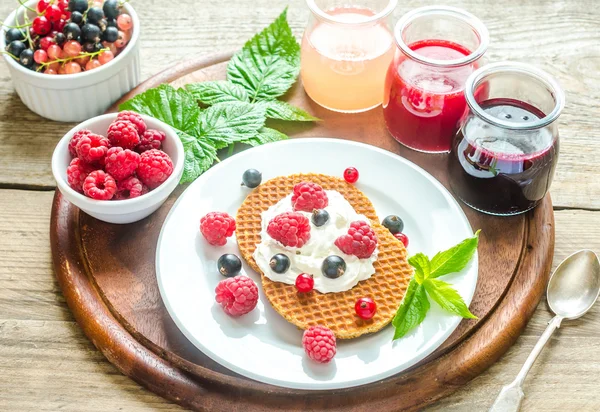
x=572, y=290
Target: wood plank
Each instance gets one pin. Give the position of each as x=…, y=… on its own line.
x=566, y=43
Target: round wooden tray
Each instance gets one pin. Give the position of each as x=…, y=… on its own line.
x=108, y=278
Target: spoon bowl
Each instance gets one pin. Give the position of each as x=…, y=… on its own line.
x=575, y=284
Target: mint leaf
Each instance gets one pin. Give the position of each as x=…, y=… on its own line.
x=199, y=157
x=447, y=297
x=265, y=135
x=421, y=264
x=276, y=109
x=220, y=91
x=269, y=63
x=454, y=259
x=226, y=123
x=412, y=310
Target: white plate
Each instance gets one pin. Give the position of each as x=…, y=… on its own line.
x=262, y=345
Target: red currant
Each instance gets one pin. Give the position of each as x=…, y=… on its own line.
x=63, y=5
x=351, y=175
x=304, y=283
x=59, y=25
x=46, y=42
x=365, y=308
x=53, y=13
x=402, y=238
x=124, y=22
x=41, y=25
x=43, y=5
x=40, y=56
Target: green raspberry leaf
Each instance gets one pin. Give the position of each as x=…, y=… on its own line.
x=454, y=259
x=276, y=109
x=265, y=135
x=412, y=310
x=447, y=297
x=269, y=63
x=216, y=92
x=422, y=267
x=227, y=123
x=199, y=157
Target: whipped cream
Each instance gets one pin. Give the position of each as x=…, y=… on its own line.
x=309, y=258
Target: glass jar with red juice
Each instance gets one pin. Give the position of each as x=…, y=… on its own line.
x=437, y=49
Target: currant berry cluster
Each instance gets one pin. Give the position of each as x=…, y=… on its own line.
x=125, y=164
x=69, y=36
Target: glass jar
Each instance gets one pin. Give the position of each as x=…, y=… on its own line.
x=438, y=48
x=345, y=53
x=504, y=156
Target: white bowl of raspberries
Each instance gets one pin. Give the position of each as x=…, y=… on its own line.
x=118, y=167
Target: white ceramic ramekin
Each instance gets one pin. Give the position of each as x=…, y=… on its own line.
x=76, y=97
x=118, y=211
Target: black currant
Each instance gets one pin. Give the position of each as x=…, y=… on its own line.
x=76, y=17
x=333, y=267
x=111, y=9
x=279, y=263
x=89, y=47
x=72, y=31
x=60, y=38
x=15, y=48
x=319, y=217
x=14, y=34
x=393, y=223
x=78, y=5
x=251, y=178
x=26, y=58
x=111, y=34
x=90, y=32
x=111, y=23
x=103, y=24
x=94, y=15
x=229, y=265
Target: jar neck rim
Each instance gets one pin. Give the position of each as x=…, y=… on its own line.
x=521, y=68
x=459, y=14
x=324, y=16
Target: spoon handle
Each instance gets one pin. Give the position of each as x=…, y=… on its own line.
x=511, y=395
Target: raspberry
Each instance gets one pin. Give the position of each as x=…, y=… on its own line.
x=77, y=171
x=75, y=139
x=360, y=240
x=134, y=118
x=151, y=139
x=319, y=343
x=130, y=188
x=308, y=197
x=92, y=148
x=216, y=227
x=290, y=228
x=155, y=167
x=100, y=185
x=124, y=134
x=121, y=163
x=237, y=295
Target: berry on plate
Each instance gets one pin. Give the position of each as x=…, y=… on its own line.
x=251, y=178
x=155, y=167
x=360, y=240
x=351, y=175
x=134, y=118
x=319, y=217
x=130, y=188
x=279, y=263
x=99, y=185
x=151, y=139
x=92, y=148
x=229, y=265
x=333, y=267
x=402, y=238
x=309, y=196
x=393, y=223
x=123, y=133
x=237, y=296
x=121, y=163
x=290, y=229
x=77, y=171
x=216, y=227
x=365, y=308
x=305, y=283
x=319, y=343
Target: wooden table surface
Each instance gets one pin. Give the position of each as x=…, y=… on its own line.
x=46, y=363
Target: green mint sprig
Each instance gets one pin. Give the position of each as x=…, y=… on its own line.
x=266, y=67
x=425, y=284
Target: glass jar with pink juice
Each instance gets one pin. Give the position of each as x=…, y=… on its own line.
x=438, y=48
x=346, y=50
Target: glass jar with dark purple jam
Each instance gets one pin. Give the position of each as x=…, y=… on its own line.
x=503, y=158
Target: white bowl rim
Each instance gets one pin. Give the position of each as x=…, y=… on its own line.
x=69, y=77
x=86, y=202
